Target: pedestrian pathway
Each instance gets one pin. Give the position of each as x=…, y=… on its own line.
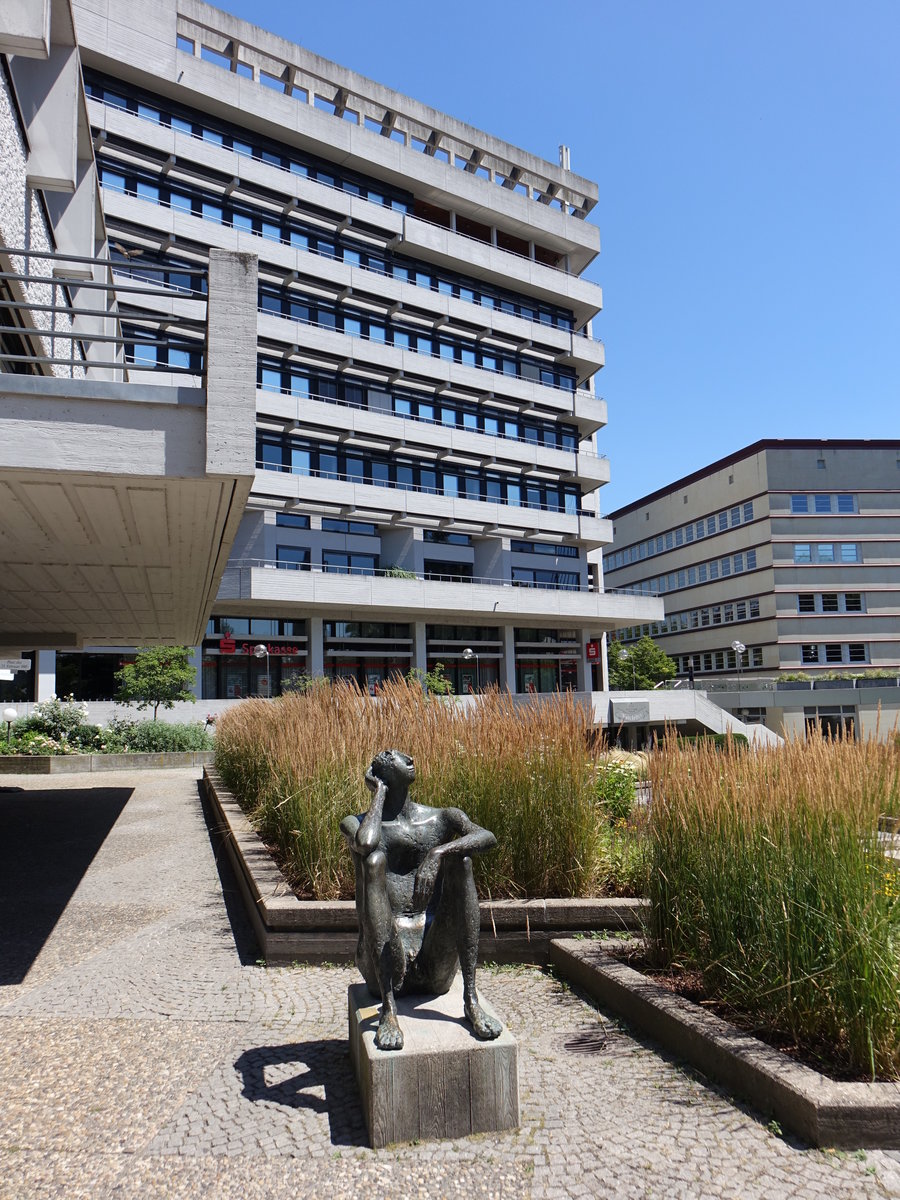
x=145, y=1053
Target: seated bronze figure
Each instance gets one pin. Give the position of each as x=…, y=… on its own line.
x=415, y=897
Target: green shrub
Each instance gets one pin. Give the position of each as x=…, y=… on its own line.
x=615, y=787
x=155, y=737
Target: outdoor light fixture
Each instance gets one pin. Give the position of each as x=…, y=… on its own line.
x=262, y=651
x=9, y=715
x=624, y=654
x=738, y=647
x=468, y=654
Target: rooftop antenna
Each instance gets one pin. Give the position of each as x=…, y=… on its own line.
x=565, y=158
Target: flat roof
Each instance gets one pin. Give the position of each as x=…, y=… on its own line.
x=756, y=448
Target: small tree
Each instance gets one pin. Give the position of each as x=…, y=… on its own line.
x=644, y=665
x=158, y=677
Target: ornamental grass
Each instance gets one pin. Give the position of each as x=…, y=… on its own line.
x=296, y=766
x=767, y=874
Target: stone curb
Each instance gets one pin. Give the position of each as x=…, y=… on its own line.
x=823, y=1112
x=292, y=930
x=76, y=764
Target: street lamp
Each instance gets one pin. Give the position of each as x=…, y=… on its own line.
x=9, y=715
x=262, y=651
x=624, y=654
x=738, y=647
x=468, y=654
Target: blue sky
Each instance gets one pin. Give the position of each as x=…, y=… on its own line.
x=749, y=212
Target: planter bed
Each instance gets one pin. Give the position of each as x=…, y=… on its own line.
x=291, y=930
x=821, y=1111
x=67, y=764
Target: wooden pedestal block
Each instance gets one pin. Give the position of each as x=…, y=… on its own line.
x=444, y=1083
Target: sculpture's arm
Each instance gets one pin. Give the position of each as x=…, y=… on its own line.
x=368, y=834
x=471, y=839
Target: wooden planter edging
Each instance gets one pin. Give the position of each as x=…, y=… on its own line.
x=69, y=764
x=292, y=930
x=823, y=1112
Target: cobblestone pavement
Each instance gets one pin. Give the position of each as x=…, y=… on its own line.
x=144, y=1052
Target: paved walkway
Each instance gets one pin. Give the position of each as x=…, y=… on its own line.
x=144, y=1053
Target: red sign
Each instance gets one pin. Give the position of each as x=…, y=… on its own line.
x=272, y=647
x=593, y=651
x=226, y=645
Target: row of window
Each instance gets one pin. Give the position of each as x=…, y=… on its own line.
x=159, y=350
x=286, y=85
x=274, y=453
x=553, y=549
x=826, y=552
x=695, y=618
x=822, y=502
x=739, y=514
x=831, y=602
x=716, y=568
x=718, y=660
x=836, y=653
x=196, y=201
x=242, y=141
x=389, y=331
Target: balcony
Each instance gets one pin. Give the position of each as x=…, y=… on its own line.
x=252, y=584
x=122, y=486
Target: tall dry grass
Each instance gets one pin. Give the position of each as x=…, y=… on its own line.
x=767, y=874
x=297, y=767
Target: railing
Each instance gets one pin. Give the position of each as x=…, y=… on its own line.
x=315, y=473
x=406, y=577
x=436, y=399
x=48, y=324
x=750, y=683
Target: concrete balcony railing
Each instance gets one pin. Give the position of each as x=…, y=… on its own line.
x=254, y=580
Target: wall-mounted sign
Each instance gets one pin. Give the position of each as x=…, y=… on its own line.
x=14, y=664
x=593, y=651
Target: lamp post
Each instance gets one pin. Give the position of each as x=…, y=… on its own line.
x=9, y=715
x=468, y=654
x=738, y=647
x=262, y=651
x=624, y=654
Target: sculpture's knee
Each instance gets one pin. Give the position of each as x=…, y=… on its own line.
x=375, y=866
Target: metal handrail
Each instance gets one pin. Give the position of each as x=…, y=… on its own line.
x=391, y=573
x=315, y=473
x=425, y=420
x=365, y=337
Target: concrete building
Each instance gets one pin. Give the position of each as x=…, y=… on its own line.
x=121, y=491
x=426, y=474
x=792, y=550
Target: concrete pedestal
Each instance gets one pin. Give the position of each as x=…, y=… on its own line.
x=444, y=1083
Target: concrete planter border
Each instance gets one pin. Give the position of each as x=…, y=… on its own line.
x=823, y=1112
x=292, y=930
x=74, y=764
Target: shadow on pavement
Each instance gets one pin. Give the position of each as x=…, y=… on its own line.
x=287, y=1074
x=48, y=839
x=239, y=923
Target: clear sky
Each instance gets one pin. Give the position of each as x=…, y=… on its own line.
x=748, y=160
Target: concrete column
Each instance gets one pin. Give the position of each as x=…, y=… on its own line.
x=604, y=665
x=420, y=654
x=508, y=660
x=399, y=548
x=583, y=675
x=231, y=364
x=315, y=647
x=196, y=661
x=490, y=560
x=45, y=683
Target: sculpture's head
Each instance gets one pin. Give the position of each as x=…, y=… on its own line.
x=393, y=767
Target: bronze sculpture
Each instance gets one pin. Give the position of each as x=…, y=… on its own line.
x=415, y=897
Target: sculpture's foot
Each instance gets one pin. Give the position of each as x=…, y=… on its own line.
x=388, y=1035
x=484, y=1027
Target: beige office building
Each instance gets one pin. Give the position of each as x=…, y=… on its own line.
x=791, y=549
